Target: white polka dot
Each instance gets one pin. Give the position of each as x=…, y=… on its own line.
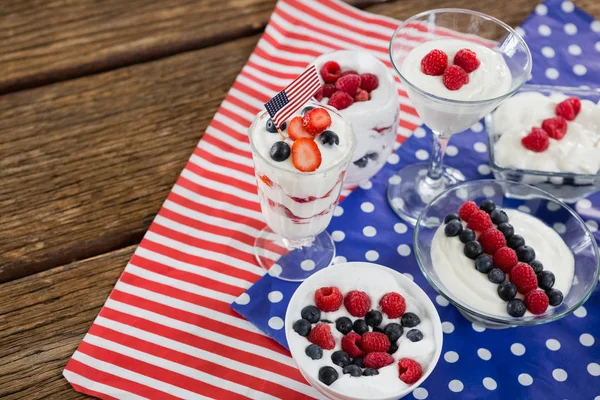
x=583, y=204
x=524, y=208
x=243, y=299
x=544, y=30
x=276, y=323
x=338, y=236
x=420, y=393
x=451, y=356
x=489, y=384
x=592, y=225
x=447, y=327
x=367, y=207
x=541, y=9
x=595, y=26
x=456, y=386
x=574, y=50
x=597, y=46
x=559, y=227
x=393, y=158
x=400, y=227
x=404, y=250
x=307, y=265
x=484, y=354
x=517, y=349
x=489, y=191
x=579, y=69
x=520, y=31
x=552, y=206
x=552, y=344
x=338, y=211
x=422, y=155
x=552, y=73
x=480, y=147
x=339, y=260
x=559, y=374
x=567, y=6
x=394, y=180
x=547, y=52
x=451, y=150
x=586, y=339
x=369, y=231
x=441, y=300
x=371, y=255
x=275, y=296
x=594, y=369
x=581, y=312
x=275, y=270
x=477, y=327
x=477, y=127
x=409, y=276
x=462, y=193
x=397, y=203
x=525, y=379
x=570, y=29
x=366, y=185
x=419, y=133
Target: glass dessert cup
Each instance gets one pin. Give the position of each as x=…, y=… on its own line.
x=297, y=207
x=445, y=116
x=541, y=205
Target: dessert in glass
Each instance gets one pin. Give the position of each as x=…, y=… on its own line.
x=456, y=66
x=363, y=90
x=299, y=173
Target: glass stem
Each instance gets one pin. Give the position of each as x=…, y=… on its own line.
x=440, y=142
x=291, y=244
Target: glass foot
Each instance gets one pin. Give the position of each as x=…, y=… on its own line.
x=293, y=260
x=410, y=190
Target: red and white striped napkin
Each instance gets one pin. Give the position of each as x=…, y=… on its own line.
x=167, y=330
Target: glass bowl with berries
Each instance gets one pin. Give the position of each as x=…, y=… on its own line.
x=506, y=261
x=548, y=137
x=363, y=331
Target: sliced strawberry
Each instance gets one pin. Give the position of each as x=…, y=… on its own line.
x=316, y=121
x=266, y=180
x=306, y=155
x=296, y=129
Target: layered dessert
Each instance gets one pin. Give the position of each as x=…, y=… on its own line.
x=363, y=90
x=502, y=262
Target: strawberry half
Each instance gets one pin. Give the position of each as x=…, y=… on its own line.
x=316, y=121
x=296, y=129
x=306, y=155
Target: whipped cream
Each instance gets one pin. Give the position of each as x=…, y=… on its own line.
x=458, y=274
x=577, y=152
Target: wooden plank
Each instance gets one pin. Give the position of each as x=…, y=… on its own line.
x=40, y=331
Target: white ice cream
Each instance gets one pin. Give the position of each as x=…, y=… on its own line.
x=458, y=274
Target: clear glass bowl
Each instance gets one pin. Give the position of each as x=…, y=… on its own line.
x=541, y=205
x=568, y=187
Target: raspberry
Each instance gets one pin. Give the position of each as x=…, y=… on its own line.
x=505, y=258
x=329, y=89
x=319, y=94
x=455, y=77
x=491, y=240
x=467, y=60
x=373, y=342
x=369, y=82
x=357, y=303
x=321, y=336
x=361, y=95
x=409, y=371
x=351, y=344
x=328, y=299
x=537, y=140
x=566, y=110
x=434, y=63
x=340, y=100
x=523, y=276
x=466, y=210
x=393, y=305
x=348, y=83
x=330, y=72
x=576, y=103
x=556, y=127
x=377, y=360
x=536, y=301
x=480, y=221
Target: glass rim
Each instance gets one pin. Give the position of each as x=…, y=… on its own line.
x=469, y=12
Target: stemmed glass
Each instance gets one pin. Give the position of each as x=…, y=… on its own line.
x=413, y=188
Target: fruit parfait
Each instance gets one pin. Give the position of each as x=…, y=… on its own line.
x=363, y=90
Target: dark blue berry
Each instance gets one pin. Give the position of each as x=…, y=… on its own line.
x=507, y=290
x=393, y=331
x=516, y=308
x=373, y=318
x=373, y=156
x=352, y=370
x=360, y=326
x=515, y=241
x=498, y=217
x=537, y=266
x=488, y=206
x=473, y=249
x=328, y=375
x=340, y=358
x=330, y=138
x=343, y=325
x=370, y=372
x=393, y=348
x=545, y=280
x=525, y=254
x=306, y=109
x=496, y=275
x=358, y=361
x=377, y=329
x=466, y=235
x=484, y=263
x=272, y=128
x=313, y=351
x=410, y=320
x=361, y=162
x=280, y=151
x=414, y=335
x=451, y=217
x=453, y=228
x=311, y=314
x=302, y=327
x=506, y=229
x=555, y=297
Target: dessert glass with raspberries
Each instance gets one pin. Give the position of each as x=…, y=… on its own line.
x=464, y=65
x=357, y=338
x=299, y=173
x=363, y=90
x=503, y=261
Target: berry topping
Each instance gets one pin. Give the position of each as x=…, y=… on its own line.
x=496, y=275
x=545, y=280
x=393, y=348
x=434, y=63
x=480, y=221
x=451, y=217
x=507, y=290
x=410, y=320
x=393, y=331
x=393, y=304
x=505, y=258
x=360, y=326
x=492, y=240
x=328, y=375
x=466, y=210
x=314, y=352
x=316, y=121
x=568, y=109
x=516, y=308
x=330, y=138
x=270, y=126
x=348, y=83
x=409, y=371
x=515, y=241
x=358, y=361
x=525, y=253
x=555, y=127
x=329, y=89
x=302, y=327
x=306, y=155
x=537, y=266
x=369, y=82
x=374, y=342
x=311, y=314
x=484, y=263
x=340, y=100
x=455, y=77
x=466, y=235
x=296, y=129
x=473, y=249
x=351, y=344
x=328, y=299
x=352, y=370
x=321, y=336
x=555, y=297
x=506, y=229
x=373, y=318
x=343, y=325
x=414, y=335
x=331, y=71
x=536, y=301
x=340, y=358
x=280, y=151
x=377, y=360
x=467, y=59
x=370, y=372
x=357, y=303
x=361, y=95
x=498, y=216
x=576, y=103
x=524, y=278
x=319, y=94
x=488, y=206
x=453, y=228
x=537, y=140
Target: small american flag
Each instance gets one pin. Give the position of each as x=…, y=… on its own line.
x=290, y=99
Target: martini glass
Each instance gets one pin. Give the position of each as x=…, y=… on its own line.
x=417, y=184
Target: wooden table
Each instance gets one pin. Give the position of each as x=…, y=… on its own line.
x=101, y=104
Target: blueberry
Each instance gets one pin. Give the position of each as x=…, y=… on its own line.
x=393, y=348
x=545, y=280
x=373, y=156
x=280, y=151
x=453, y=228
x=330, y=138
x=496, y=275
x=466, y=235
x=473, y=249
x=373, y=318
x=306, y=109
x=484, y=263
x=507, y=290
x=328, y=375
x=343, y=325
x=311, y=314
x=488, y=206
x=360, y=326
x=498, y=216
x=393, y=331
x=370, y=372
x=414, y=335
x=272, y=128
x=377, y=329
x=537, y=266
x=555, y=296
x=451, y=217
x=358, y=361
x=516, y=308
x=515, y=241
x=525, y=254
x=302, y=327
x=361, y=162
x=340, y=358
x=410, y=320
x=352, y=370
x=506, y=229
x=313, y=351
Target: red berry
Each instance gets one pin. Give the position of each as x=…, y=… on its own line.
x=480, y=221
x=377, y=360
x=455, y=77
x=348, y=83
x=306, y=155
x=373, y=342
x=319, y=94
x=556, y=127
x=467, y=60
x=329, y=89
x=369, y=82
x=536, y=301
x=340, y=100
x=492, y=239
x=466, y=210
x=566, y=110
x=409, y=371
x=393, y=305
x=505, y=258
x=357, y=303
x=296, y=129
x=361, y=95
x=523, y=276
x=328, y=299
x=576, y=103
x=434, y=63
x=330, y=71
x=321, y=336
x=351, y=344
x=537, y=140
x=316, y=121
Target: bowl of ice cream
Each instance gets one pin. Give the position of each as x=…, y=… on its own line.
x=504, y=260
